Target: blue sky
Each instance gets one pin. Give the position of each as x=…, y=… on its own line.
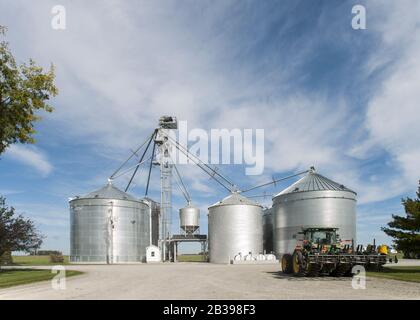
x=343, y=100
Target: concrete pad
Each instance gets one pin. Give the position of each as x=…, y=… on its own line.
x=405, y=263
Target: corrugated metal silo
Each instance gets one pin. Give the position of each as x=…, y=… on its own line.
x=109, y=226
x=268, y=229
x=314, y=200
x=235, y=227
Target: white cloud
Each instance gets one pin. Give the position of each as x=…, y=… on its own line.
x=196, y=180
x=7, y=192
x=393, y=114
x=119, y=67
x=30, y=156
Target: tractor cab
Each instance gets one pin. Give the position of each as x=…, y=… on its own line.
x=318, y=239
x=321, y=236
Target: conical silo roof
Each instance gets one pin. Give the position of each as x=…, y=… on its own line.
x=313, y=182
x=235, y=199
x=109, y=192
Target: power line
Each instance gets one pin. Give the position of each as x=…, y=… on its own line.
x=201, y=164
x=150, y=168
x=129, y=169
x=275, y=181
x=129, y=158
x=141, y=159
x=198, y=164
x=182, y=185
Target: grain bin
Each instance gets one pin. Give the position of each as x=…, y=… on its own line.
x=268, y=229
x=189, y=219
x=235, y=227
x=314, y=200
x=108, y=226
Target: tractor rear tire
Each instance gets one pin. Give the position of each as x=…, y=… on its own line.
x=300, y=265
x=287, y=263
x=314, y=269
x=349, y=272
x=341, y=270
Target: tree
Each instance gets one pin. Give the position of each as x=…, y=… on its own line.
x=24, y=90
x=16, y=232
x=406, y=230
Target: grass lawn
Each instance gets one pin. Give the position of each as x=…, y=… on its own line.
x=36, y=260
x=399, y=255
x=14, y=277
x=190, y=258
x=411, y=274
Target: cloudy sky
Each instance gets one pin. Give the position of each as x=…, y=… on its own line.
x=343, y=100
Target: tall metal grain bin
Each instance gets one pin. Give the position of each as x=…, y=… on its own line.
x=108, y=226
x=235, y=227
x=314, y=200
x=268, y=229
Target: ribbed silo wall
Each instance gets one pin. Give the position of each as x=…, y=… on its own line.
x=234, y=229
x=108, y=230
x=327, y=208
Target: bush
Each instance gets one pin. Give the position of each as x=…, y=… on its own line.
x=411, y=255
x=6, y=259
x=56, y=258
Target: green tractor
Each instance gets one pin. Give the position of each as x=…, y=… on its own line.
x=319, y=251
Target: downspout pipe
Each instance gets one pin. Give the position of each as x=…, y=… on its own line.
x=149, y=204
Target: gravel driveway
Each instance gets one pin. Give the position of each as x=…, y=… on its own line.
x=206, y=281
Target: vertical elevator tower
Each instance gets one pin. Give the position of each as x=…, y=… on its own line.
x=166, y=124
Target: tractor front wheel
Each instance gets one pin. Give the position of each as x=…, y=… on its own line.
x=287, y=263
